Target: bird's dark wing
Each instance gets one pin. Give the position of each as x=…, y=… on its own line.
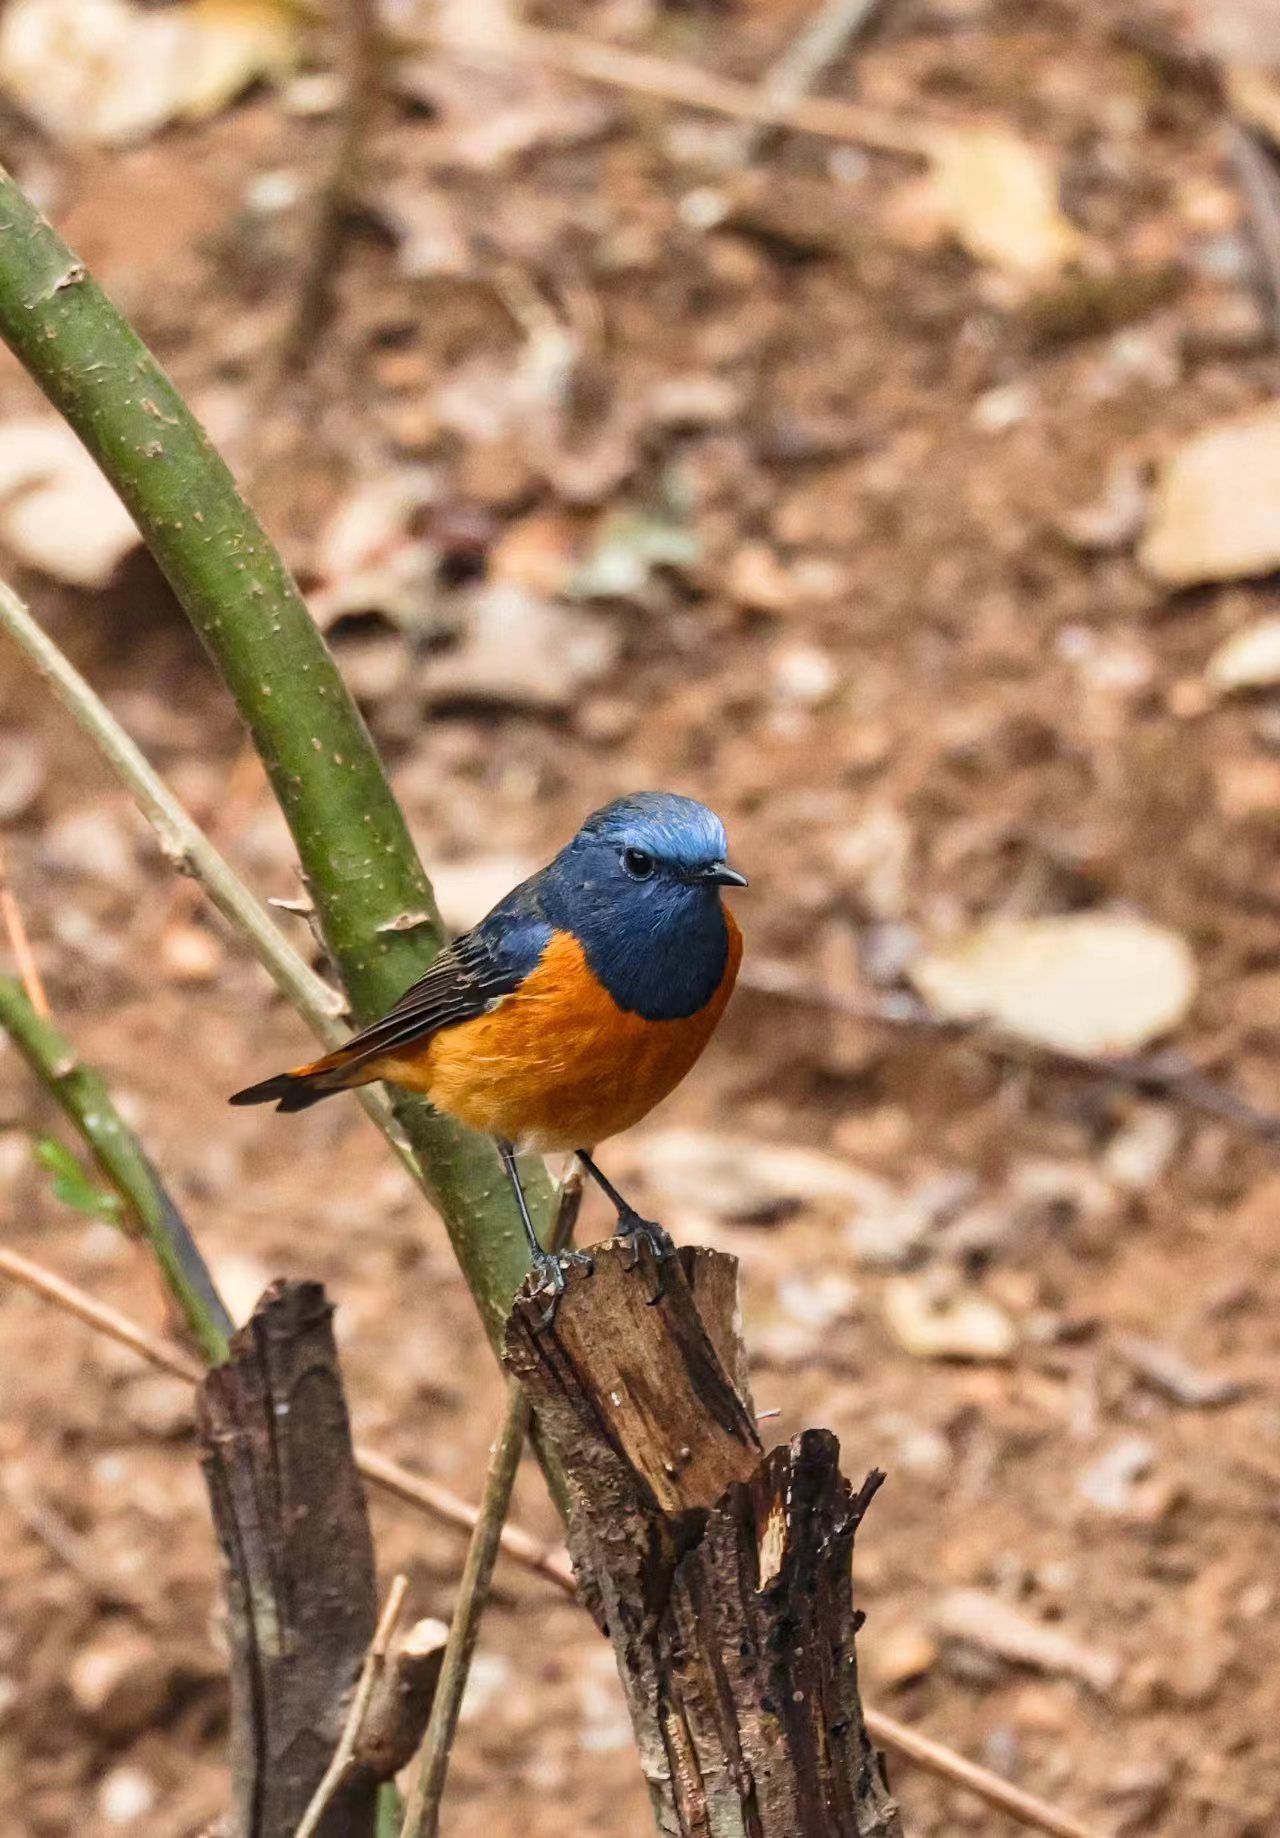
x=467, y=979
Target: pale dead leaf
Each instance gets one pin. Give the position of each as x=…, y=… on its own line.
x=518, y=651
x=999, y=197
x=1082, y=982
x=1215, y=512
x=233, y=43
x=369, y=556
x=737, y=1178
x=949, y=1324
x=90, y=70
x=108, y=73
x=1249, y=659
x=57, y=512
x=975, y=1618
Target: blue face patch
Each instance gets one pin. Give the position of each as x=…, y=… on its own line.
x=658, y=944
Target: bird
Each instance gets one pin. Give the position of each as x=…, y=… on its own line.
x=571, y=1010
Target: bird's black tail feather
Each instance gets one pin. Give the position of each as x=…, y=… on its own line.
x=289, y=1090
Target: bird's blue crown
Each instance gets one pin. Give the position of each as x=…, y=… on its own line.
x=678, y=832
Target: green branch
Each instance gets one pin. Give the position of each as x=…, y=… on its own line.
x=372, y=897
x=82, y=1092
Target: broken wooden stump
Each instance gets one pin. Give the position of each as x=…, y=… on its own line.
x=297, y=1561
x=721, y=1574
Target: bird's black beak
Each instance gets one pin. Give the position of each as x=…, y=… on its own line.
x=720, y=874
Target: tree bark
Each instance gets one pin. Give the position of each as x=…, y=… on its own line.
x=297, y=1562
x=721, y=1574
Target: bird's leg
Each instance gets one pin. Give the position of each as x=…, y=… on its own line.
x=632, y=1227
x=550, y=1265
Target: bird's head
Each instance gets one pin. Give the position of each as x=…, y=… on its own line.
x=655, y=850
x=639, y=886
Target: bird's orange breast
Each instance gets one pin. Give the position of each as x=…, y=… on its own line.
x=558, y=1064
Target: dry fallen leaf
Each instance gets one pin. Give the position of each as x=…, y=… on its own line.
x=518, y=651
x=1249, y=659
x=1082, y=982
x=108, y=72
x=972, y=1617
x=22, y=774
x=736, y=1177
x=933, y=1323
x=1215, y=512
x=998, y=195
x=57, y=512
x=89, y=70
x=231, y=44
x=369, y=558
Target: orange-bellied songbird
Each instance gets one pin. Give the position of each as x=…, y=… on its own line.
x=574, y=1008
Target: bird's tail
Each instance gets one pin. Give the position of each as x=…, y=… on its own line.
x=306, y=1085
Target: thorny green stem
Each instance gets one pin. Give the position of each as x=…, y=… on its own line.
x=372, y=897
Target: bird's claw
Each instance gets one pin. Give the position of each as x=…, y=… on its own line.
x=637, y=1231
x=549, y=1269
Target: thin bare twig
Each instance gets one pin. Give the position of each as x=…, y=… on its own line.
x=360, y=62
x=439, y=1503
x=935, y=1758
x=422, y=1819
x=335, y=1774
x=98, y=1315
x=687, y=86
x=24, y=957
x=1159, y=1075
x=813, y=50
x=549, y=1561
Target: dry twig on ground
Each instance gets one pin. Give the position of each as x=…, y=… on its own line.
x=820, y=41
x=642, y=73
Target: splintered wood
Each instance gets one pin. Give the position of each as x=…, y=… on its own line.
x=721, y=1574
x=297, y=1561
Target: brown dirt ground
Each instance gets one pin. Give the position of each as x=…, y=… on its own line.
x=1008, y=721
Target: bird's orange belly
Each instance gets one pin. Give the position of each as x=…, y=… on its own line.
x=558, y=1065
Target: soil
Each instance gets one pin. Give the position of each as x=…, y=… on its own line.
x=916, y=693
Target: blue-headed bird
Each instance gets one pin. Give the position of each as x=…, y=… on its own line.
x=572, y=1009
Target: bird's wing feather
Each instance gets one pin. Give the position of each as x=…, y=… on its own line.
x=467, y=979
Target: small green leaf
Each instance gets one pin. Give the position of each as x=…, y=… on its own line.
x=72, y=1185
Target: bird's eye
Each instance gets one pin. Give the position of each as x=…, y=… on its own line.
x=638, y=863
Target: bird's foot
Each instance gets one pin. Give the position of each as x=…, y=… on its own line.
x=550, y=1272
x=637, y=1232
